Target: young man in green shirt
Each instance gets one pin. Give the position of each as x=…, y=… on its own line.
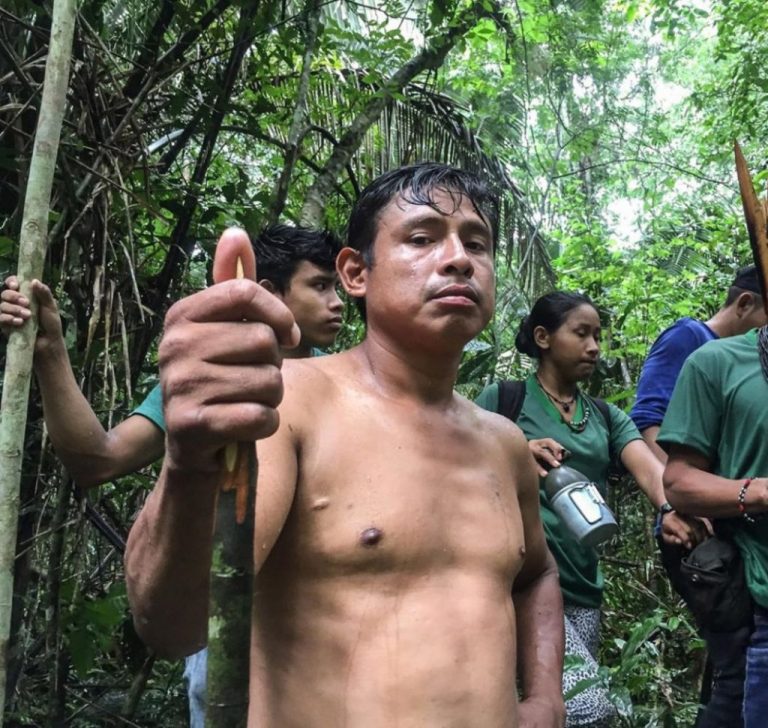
x=716, y=433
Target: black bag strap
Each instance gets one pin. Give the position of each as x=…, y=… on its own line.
x=511, y=398
x=602, y=408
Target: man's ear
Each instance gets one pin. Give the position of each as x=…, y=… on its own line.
x=265, y=283
x=353, y=272
x=541, y=337
x=745, y=304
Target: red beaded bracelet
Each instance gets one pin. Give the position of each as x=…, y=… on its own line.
x=742, y=498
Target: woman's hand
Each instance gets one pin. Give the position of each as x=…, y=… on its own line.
x=548, y=453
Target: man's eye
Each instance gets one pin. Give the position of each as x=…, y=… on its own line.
x=476, y=245
x=320, y=286
x=420, y=240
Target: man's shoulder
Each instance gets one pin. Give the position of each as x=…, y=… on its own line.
x=310, y=373
x=493, y=424
x=686, y=332
x=721, y=348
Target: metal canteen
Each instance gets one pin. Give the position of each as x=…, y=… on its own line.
x=580, y=506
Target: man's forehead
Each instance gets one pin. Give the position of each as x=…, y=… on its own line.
x=308, y=269
x=446, y=203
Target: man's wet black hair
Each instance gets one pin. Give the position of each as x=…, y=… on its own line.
x=549, y=311
x=747, y=280
x=416, y=184
x=280, y=248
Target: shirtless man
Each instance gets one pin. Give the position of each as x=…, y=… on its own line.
x=393, y=518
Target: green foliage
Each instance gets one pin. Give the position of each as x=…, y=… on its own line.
x=607, y=125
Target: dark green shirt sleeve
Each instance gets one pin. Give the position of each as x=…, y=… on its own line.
x=623, y=430
x=694, y=413
x=152, y=408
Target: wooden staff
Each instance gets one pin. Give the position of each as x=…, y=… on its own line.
x=230, y=602
x=33, y=241
x=756, y=214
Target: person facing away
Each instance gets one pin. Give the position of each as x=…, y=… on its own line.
x=295, y=264
x=715, y=432
x=562, y=333
x=743, y=310
x=394, y=518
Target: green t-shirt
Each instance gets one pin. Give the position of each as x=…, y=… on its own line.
x=720, y=408
x=581, y=580
x=152, y=406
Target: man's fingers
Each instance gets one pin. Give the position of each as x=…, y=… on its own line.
x=226, y=342
x=234, y=245
x=237, y=300
x=12, y=313
x=14, y=297
x=12, y=282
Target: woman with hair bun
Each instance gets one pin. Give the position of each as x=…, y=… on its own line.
x=562, y=333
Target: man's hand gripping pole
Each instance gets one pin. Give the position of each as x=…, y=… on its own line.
x=229, y=609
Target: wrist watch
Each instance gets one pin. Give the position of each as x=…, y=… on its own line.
x=665, y=508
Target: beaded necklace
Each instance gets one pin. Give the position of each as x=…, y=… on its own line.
x=579, y=426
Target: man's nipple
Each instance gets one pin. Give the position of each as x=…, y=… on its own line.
x=371, y=537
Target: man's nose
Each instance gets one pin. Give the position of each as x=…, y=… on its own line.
x=454, y=257
x=335, y=303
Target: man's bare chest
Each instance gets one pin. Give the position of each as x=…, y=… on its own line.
x=401, y=493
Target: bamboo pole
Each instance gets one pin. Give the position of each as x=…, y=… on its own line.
x=32, y=247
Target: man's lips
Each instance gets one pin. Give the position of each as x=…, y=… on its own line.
x=458, y=292
x=335, y=322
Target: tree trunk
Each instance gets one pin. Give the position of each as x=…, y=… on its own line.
x=32, y=247
x=429, y=58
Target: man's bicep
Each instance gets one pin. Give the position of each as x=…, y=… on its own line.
x=683, y=457
x=276, y=486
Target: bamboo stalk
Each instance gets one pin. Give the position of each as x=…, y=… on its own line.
x=32, y=247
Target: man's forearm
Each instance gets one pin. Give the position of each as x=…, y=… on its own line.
x=90, y=453
x=700, y=493
x=540, y=633
x=167, y=562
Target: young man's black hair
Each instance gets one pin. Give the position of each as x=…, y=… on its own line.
x=280, y=248
x=416, y=184
x=746, y=281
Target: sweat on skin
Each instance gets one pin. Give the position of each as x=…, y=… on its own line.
x=392, y=513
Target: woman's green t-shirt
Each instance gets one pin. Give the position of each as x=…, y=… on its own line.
x=581, y=580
